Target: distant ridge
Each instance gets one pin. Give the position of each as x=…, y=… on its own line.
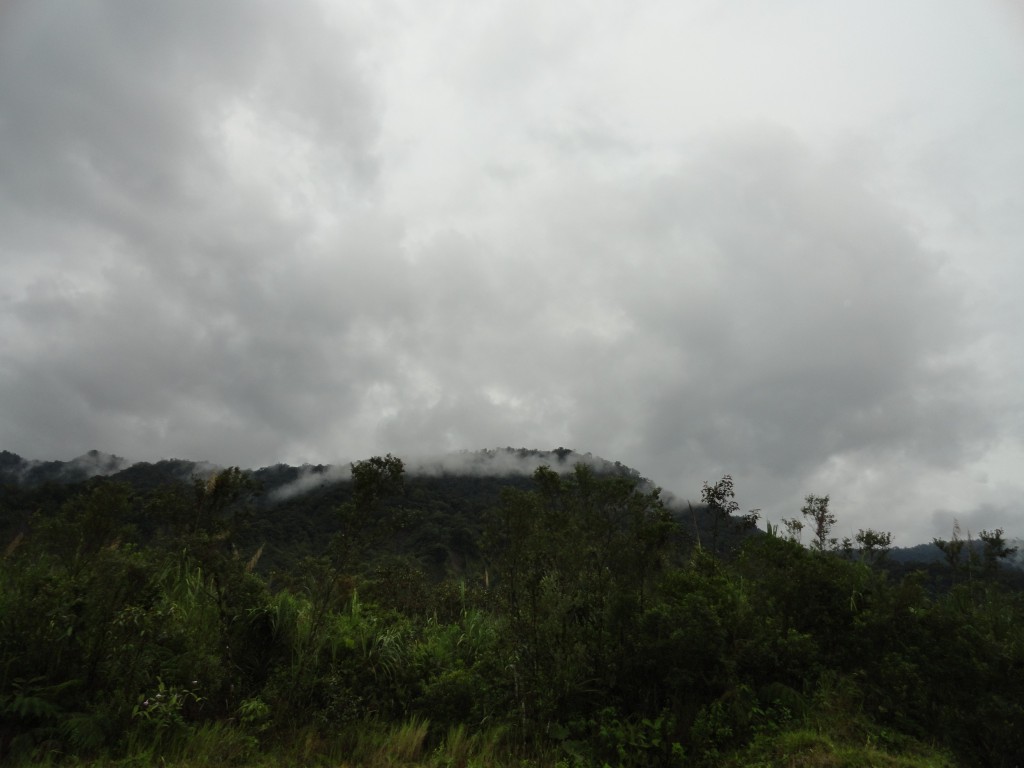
x=287, y=480
x=294, y=509
x=283, y=482
x=19, y=471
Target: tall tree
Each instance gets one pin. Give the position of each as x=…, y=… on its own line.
x=720, y=500
x=952, y=548
x=822, y=521
x=362, y=522
x=995, y=549
x=874, y=545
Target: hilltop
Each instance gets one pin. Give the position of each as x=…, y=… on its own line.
x=305, y=495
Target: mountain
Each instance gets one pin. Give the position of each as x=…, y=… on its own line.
x=300, y=502
x=293, y=512
x=18, y=471
x=921, y=553
x=926, y=554
x=282, y=480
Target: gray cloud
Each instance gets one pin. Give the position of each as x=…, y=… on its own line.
x=972, y=521
x=254, y=233
x=154, y=274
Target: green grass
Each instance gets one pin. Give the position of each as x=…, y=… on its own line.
x=811, y=749
x=839, y=743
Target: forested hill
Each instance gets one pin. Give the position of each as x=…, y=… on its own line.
x=555, y=613
x=292, y=511
x=293, y=508
x=497, y=462
x=296, y=503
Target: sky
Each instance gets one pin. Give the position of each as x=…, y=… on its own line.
x=776, y=240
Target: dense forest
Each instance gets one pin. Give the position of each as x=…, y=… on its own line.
x=176, y=613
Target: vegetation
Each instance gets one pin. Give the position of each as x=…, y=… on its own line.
x=568, y=619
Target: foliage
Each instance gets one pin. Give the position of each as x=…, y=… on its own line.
x=874, y=545
x=822, y=520
x=720, y=500
x=952, y=548
x=563, y=621
x=995, y=548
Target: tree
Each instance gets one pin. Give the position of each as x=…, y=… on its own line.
x=953, y=548
x=720, y=499
x=794, y=529
x=874, y=545
x=576, y=562
x=362, y=527
x=995, y=549
x=220, y=503
x=375, y=478
x=816, y=508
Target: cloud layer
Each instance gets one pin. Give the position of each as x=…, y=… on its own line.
x=696, y=241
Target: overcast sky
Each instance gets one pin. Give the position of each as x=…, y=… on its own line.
x=779, y=240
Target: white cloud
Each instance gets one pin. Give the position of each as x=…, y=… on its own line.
x=692, y=238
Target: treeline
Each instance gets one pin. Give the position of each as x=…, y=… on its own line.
x=573, y=620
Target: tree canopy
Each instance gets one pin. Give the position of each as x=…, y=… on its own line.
x=571, y=617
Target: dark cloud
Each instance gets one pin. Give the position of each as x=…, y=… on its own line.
x=164, y=289
x=240, y=232
x=777, y=314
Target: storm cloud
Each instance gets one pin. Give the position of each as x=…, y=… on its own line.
x=694, y=240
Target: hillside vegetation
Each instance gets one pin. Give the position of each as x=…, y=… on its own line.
x=564, y=618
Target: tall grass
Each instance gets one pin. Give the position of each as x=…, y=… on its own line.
x=462, y=749
x=811, y=749
x=375, y=745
